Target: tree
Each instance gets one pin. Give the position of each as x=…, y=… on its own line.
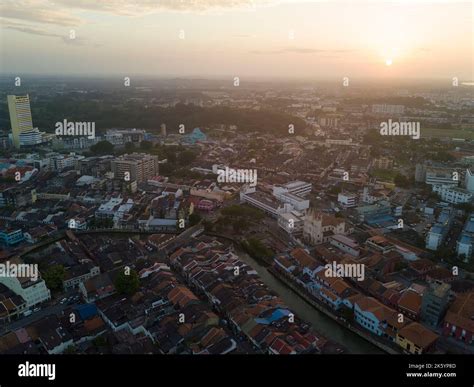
x=102, y=148
x=186, y=157
x=146, y=145
x=127, y=282
x=208, y=226
x=129, y=147
x=257, y=249
x=194, y=219
x=401, y=181
x=54, y=277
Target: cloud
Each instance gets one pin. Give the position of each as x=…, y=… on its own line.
x=27, y=29
x=300, y=50
x=141, y=7
x=37, y=12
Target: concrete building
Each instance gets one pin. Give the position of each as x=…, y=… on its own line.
x=347, y=200
x=440, y=176
x=120, y=137
x=140, y=166
x=346, y=244
x=163, y=130
x=453, y=194
x=434, y=302
x=464, y=245
x=263, y=201
x=11, y=236
x=383, y=163
x=33, y=292
x=469, y=180
x=319, y=227
x=300, y=188
x=20, y=116
x=292, y=222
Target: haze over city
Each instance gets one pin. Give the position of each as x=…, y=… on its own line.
x=260, y=38
x=236, y=177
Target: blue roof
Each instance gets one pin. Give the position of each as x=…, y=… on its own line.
x=86, y=311
x=275, y=316
x=469, y=227
x=437, y=229
x=465, y=239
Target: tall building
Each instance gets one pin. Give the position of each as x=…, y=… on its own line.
x=434, y=303
x=20, y=116
x=319, y=227
x=163, y=130
x=141, y=166
x=469, y=180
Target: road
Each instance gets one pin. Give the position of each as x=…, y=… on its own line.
x=51, y=309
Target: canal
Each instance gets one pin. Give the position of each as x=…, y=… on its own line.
x=321, y=323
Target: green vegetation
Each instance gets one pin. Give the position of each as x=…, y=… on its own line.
x=97, y=223
x=146, y=145
x=384, y=174
x=127, y=283
x=442, y=156
x=242, y=211
x=54, y=277
x=129, y=147
x=402, y=181
x=445, y=132
x=116, y=110
x=257, y=249
x=99, y=341
x=239, y=217
x=194, y=219
x=102, y=148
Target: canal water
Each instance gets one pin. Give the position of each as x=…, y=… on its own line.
x=321, y=323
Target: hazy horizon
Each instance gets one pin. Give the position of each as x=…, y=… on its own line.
x=214, y=40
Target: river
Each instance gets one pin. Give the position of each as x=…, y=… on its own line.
x=321, y=323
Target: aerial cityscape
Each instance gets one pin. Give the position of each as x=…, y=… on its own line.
x=177, y=182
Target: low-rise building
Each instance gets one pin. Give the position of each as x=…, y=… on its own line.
x=415, y=338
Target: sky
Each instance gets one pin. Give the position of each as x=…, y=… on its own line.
x=408, y=39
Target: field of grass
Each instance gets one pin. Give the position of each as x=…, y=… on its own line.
x=384, y=174
x=451, y=133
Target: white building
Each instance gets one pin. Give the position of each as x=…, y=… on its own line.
x=265, y=202
x=435, y=237
x=292, y=222
x=440, y=176
x=319, y=227
x=59, y=162
x=347, y=200
x=469, y=180
x=300, y=188
x=31, y=137
x=452, y=194
x=348, y=245
x=33, y=292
